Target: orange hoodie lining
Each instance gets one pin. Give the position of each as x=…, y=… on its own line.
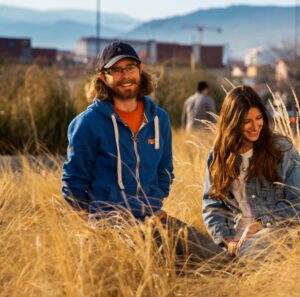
x=133, y=119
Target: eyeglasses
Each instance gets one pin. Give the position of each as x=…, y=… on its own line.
x=117, y=71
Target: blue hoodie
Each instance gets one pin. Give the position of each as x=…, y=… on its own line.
x=109, y=167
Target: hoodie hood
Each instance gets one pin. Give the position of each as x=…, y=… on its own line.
x=105, y=107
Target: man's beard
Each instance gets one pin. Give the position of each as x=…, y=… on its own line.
x=122, y=94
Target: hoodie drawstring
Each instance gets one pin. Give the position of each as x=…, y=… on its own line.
x=119, y=164
x=156, y=131
x=119, y=160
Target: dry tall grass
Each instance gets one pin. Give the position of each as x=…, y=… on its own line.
x=35, y=109
x=47, y=249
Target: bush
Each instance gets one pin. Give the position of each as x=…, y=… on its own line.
x=35, y=109
x=37, y=104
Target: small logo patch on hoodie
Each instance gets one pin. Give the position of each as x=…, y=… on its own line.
x=151, y=140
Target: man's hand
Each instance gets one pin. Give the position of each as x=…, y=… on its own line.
x=157, y=217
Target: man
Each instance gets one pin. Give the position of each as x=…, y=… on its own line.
x=120, y=149
x=119, y=154
x=197, y=108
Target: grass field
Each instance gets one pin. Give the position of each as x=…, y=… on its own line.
x=47, y=249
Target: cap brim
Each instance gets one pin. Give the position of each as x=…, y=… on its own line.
x=118, y=58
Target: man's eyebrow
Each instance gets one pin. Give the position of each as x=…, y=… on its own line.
x=130, y=64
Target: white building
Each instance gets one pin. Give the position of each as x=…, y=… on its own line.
x=88, y=47
x=253, y=57
x=152, y=52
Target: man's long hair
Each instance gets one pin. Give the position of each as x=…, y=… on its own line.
x=98, y=89
x=266, y=153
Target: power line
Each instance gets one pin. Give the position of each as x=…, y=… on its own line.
x=98, y=26
x=296, y=28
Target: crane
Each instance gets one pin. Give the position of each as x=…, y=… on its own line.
x=201, y=29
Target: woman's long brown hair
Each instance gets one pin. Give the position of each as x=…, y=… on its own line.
x=266, y=154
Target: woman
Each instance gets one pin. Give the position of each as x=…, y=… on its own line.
x=253, y=175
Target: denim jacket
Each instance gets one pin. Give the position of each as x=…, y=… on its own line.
x=271, y=203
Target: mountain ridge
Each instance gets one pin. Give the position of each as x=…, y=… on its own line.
x=243, y=26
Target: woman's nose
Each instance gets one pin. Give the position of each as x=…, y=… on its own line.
x=254, y=126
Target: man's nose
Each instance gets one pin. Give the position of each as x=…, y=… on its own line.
x=124, y=72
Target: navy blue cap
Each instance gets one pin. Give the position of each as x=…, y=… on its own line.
x=114, y=52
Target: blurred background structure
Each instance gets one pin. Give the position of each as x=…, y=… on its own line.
x=245, y=43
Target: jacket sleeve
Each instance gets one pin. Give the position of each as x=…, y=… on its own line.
x=183, y=117
x=165, y=167
x=289, y=206
x=217, y=217
x=82, y=151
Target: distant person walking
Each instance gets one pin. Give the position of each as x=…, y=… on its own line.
x=197, y=107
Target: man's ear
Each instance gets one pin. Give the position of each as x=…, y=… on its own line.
x=141, y=67
x=102, y=76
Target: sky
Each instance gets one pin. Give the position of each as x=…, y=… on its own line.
x=143, y=10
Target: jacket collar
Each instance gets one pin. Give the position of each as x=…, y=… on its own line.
x=105, y=107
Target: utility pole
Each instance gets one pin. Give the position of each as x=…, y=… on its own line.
x=98, y=26
x=201, y=29
x=296, y=29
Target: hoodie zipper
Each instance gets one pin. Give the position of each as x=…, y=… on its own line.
x=138, y=160
x=137, y=168
x=134, y=138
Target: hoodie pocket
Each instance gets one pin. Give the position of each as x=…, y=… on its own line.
x=116, y=196
x=152, y=197
x=120, y=200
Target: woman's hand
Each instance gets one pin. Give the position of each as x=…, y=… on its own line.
x=232, y=248
x=250, y=230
